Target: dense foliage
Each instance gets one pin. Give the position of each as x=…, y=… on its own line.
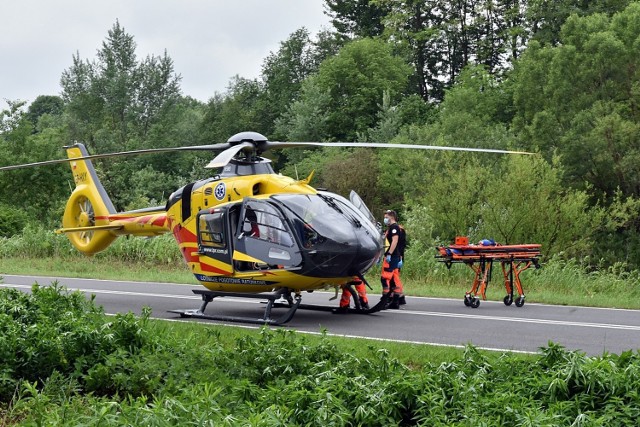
x=556, y=78
x=50, y=331
x=65, y=363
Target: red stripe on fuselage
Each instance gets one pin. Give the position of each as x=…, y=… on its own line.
x=118, y=217
x=182, y=236
x=160, y=221
x=211, y=269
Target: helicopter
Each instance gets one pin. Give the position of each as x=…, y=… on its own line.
x=245, y=231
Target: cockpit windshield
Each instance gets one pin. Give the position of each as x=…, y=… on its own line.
x=328, y=215
x=335, y=236
x=315, y=219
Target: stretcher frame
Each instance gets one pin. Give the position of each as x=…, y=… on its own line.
x=514, y=259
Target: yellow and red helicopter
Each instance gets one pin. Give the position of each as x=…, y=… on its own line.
x=245, y=231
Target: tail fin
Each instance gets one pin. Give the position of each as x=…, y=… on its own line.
x=86, y=216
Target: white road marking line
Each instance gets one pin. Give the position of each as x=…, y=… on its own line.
x=105, y=291
x=97, y=280
x=316, y=291
x=401, y=312
x=521, y=320
x=140, y=294
x=330, y=334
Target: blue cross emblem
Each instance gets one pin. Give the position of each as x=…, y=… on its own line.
x=220, y=191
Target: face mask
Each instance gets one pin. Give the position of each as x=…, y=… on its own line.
x=386, y=221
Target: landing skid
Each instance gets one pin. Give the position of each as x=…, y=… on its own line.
x=381, y=305
x=208, y=296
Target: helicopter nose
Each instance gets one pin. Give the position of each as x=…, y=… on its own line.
x=334, y=259
x=369, y=249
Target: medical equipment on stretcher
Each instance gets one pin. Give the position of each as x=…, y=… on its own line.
x=514, y=259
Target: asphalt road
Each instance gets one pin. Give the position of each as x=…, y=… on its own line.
x=435, y=321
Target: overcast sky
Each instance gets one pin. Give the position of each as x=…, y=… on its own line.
x=209, y=41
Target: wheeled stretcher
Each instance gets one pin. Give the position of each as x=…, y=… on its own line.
x=514, y=259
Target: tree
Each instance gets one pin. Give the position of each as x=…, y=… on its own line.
x=284, y=71
x=36, y=193
x=351, y=86
x=118, y=102
x=545, y=18
x=513, y=200
x=116, y=98
x=12, y=118
x=415, y=27
x=306, y=119
x=442, y=38
x=158, y=91
x=357, y=18
x=117, y=80
x=532, y=205
x=44, y=104
x=260, y=104
x=83, y=106
x=579, y=100
x=356, y=171
x=12, y=220
x=239, y=109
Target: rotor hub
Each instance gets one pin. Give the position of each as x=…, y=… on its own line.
x=84, y=220
x=254, y=138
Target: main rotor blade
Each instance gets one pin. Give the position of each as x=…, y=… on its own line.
x=225, y=157
x=212, y=147
x=276, y=144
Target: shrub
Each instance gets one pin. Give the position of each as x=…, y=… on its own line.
x=12, y=220
x=53, y=330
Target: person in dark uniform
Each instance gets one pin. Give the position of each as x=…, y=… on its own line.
x=392, y=257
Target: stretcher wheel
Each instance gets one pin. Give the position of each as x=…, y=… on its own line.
x=467, y=300
x=508, y=300
x=475, y=302
x=520, y=301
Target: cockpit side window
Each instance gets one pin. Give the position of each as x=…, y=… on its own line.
x=262, y=221
x=211, y=230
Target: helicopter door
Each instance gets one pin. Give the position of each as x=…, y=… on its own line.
x=263, y=239
x=213, y=235
x=359, y=203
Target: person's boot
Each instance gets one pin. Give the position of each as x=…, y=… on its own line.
x=341, y=310
x=402, y=300
x=395, y=302
x=364, y=305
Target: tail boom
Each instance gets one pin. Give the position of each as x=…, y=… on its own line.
x=90, y=220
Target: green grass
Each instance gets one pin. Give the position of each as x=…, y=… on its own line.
x=96, y=268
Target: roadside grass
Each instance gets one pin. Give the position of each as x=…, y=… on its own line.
x=97, y=268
